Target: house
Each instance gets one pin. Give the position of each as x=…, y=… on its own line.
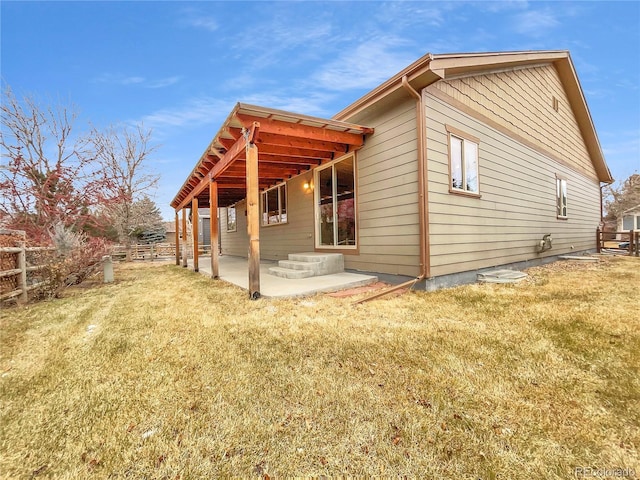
x=629, y=220
x=170, y=232
x=460, y=162
x=204, y=235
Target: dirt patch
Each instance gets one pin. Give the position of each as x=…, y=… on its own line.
x=369, y=289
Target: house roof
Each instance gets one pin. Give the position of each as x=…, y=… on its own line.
x=632, y=209
x=288, y=144
x=430, y=68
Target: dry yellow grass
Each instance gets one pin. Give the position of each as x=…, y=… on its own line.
x=135, y=380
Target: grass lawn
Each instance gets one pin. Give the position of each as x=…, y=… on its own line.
x=168, y=374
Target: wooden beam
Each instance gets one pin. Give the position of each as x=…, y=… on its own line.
x=253, y=220
x=219, y=168
x=295, y=142
x=184, y=238
x=213, y=228
x=177, y=239
x=194, y=230
x=295, y=152
x=269, y=125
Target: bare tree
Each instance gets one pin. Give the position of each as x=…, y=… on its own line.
x=47, y=175
x=123, y=154
x=623, y=196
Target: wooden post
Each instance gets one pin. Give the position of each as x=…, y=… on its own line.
x=253, y=220
x=598, y=248
x=631, y=241
x=194, y=230
x=213, y=229
x=184, y=237
x=22, y=265
x=177, y=239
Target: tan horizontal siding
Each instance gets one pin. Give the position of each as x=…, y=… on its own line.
x=388, y=194
x=521, y=101
x=234, y=243
x=277, y=241
x=517, y=205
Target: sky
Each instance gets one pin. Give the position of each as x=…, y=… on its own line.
x=180, y=67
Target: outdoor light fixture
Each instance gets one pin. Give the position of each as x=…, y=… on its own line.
x=307, y=187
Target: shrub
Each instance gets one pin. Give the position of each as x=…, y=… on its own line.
x=75, y=258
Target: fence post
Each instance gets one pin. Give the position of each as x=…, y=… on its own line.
x=598, y=240
x=631, y=241
x=22, y=265
x=152, y=251
x=107, y=269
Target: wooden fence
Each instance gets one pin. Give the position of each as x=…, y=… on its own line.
x=151, y=251
x=17, y=264
x=617, y=240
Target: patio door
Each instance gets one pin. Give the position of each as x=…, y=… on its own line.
x=335, y=204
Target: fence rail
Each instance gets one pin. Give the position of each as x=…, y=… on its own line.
x=150, y=251
x=622, y=241
x=15, y=280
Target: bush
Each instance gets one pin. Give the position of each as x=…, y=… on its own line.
x=76, y=257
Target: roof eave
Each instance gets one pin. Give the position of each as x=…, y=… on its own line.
x=431, y=68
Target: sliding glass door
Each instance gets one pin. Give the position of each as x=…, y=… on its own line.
x=335, y=204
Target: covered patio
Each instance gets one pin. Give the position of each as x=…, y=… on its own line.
x=255, y=148
x=234, y=270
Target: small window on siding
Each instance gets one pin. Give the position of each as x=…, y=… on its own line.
x=274, y=205
x=627, y=222
x=231, y=219
x=561, y=197
x=463, y=162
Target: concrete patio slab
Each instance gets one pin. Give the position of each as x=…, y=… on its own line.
x=235, y=270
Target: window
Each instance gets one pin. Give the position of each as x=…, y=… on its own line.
x=463, y=162
x=335, y=204
x=561, y=197
x=231, y=218
x=274, y=205
x=627, y=222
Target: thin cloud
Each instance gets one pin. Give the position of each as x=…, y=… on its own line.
x=193, y=17
x=164, y=82
x=207, y=23
x=118, y=79
x=275, y=40
x=404, y=14
x=124, y=80
x=371, y=63
x=309, y=103
x=535, y=23
x=195, y=112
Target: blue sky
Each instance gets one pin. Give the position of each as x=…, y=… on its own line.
x=179, y=67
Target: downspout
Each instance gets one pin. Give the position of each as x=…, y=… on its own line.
x=423, y=205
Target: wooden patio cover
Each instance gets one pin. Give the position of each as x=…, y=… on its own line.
x=288, y=145
x=256, y=148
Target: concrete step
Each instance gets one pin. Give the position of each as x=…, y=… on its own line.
x=328, y=263
x=297, y=265
x=290, y=273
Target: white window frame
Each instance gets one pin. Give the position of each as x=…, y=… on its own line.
x=316, y=201
x=281, y=218
x=562, y=195
x=234, y=228
x=466, y=142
